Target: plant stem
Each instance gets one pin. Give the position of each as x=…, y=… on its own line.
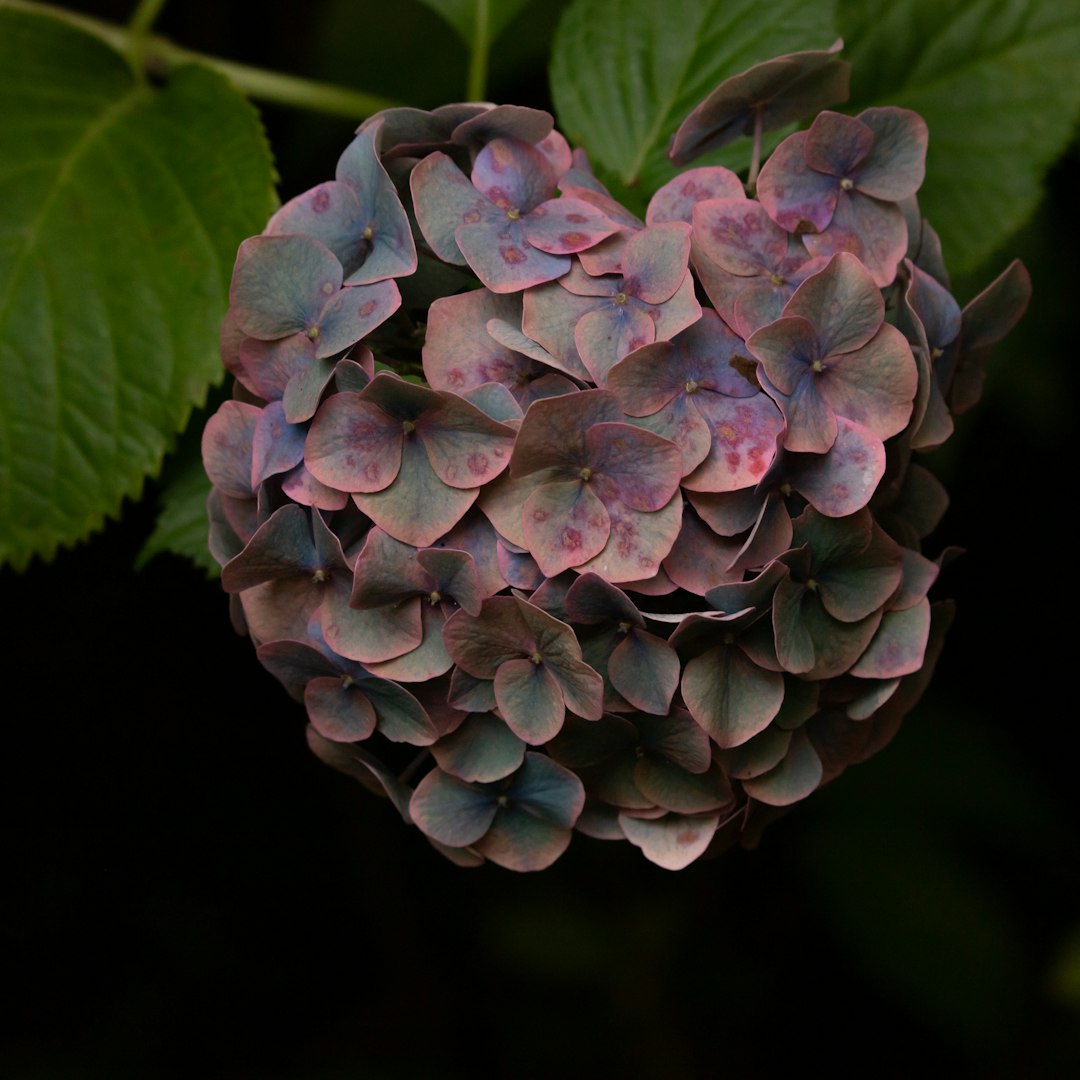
x=145, y=15
x=755, y=155
x=478, y=59
x=413, y=766
x=159, y=57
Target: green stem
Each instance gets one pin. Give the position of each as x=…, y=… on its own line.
x=145, y=15
x=159, y=57
x=478, y=60
x=755, y=156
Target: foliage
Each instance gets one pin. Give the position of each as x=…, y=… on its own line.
x=123, y=206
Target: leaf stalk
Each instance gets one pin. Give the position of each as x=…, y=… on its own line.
x=478, y=57
x=158, y=56
x=144, y=16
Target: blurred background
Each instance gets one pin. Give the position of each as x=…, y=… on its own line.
x=192, y=894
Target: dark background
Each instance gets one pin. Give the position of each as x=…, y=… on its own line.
x=191, y=894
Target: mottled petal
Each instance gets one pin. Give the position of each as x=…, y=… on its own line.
x=679, y=197
x=896, y=166
x=673, y=841
x=798, y=198
x=565, y=226
x=874, y=232
x=442, y=196
x=841, y=302
x=450, y=811
x=793, y=779
x=643, y=469
x=353, y=445
x=565, y=525
x=638, y=541
x=417, y=508
x=729, y=696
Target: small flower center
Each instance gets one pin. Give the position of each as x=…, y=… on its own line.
x=536, y=658
x=624, y=627
x=313, y=333
x=847, y=184
x=347, y=681
x=692, y=386
x=408, y=427
x=936, y=353
x=503, y=801
x=435, y=597
x=513, y=213
x=776, y=279
x=785, y=490
x=319, y=576
x=621, y=298
x=811, y=584
x=585, y=474
x=369, y=232
x=818, y=366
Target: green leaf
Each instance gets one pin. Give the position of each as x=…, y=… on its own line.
x=121, y=208
x=998, y=84
x=625, y=73
x=479, y=22
x=183, y=526
x=477, y=19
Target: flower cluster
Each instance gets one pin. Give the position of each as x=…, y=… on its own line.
x=559, y=519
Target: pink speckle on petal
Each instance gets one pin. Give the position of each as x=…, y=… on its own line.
x=478, y=463
x=576, y=219
x=571, y=539
x=321, y=203
x=624, y=535
x=471, y=217
x=512, y=255
x=573, y=239
x=367, y=308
